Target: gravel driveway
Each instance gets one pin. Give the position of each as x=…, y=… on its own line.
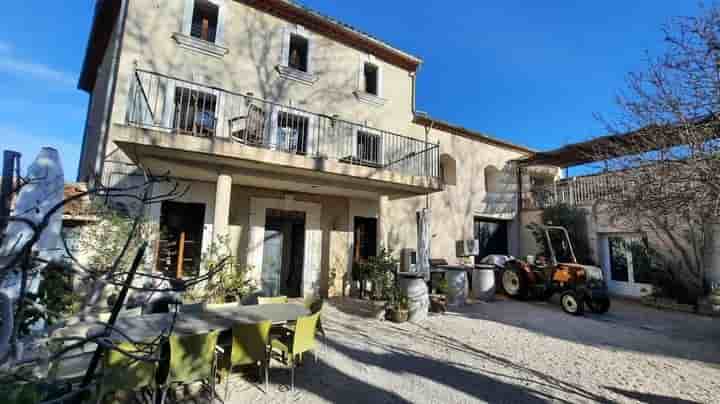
x=506, y=352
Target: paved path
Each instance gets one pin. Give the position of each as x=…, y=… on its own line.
x=506, y=352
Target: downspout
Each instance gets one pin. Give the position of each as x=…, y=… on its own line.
x=110, y=94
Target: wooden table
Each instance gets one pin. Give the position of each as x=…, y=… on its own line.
x=211, y=319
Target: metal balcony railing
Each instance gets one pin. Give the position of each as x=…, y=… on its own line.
x=181, y=107
x=582, y=190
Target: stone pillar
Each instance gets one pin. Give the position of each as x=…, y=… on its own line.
x=381, y=226
x=221, y=218
x=712, y=257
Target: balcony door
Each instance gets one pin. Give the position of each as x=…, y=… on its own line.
x=368, y=148
x=291, y=131
x=195, y=110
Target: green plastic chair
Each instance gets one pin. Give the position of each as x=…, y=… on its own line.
x=294, y=344
x=272, y=300
x=250, y=346
x=122, y=373
x=192, y=358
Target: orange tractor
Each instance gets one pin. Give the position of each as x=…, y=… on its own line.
x=578, y=285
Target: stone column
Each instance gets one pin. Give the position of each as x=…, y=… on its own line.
x=221, y=218
x=381, y=226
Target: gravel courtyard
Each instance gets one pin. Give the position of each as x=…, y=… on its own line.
x=505, y=352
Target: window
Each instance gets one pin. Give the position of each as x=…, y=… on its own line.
x=630, y=259
x=371, y=79
x=205, y=21
x=298, y=55
x=368, y=148
x=292, y=133
x=365, y=238
x=194, y=112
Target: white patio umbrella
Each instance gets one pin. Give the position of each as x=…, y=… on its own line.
x=44, y=190
x=423, y=247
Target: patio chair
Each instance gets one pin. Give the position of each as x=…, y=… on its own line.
x=273, y=300
x=250, y=346
x=294, y=344
x=250, y=128
x=315, y=305
x=192, y=359
x=122, y=373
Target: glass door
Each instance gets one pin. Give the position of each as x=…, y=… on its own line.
x=628, y=264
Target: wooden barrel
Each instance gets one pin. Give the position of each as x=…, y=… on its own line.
x=417, y=293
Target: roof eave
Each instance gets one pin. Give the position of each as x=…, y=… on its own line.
x=459, y=130
x=104, y=19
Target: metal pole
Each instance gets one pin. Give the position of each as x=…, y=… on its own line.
x=95, y=361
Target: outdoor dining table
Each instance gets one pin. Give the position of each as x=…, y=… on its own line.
x=147, y=327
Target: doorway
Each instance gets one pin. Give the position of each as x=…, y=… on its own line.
x=181, y=236
x=365, y=239
x=283, y=253
x=627, y=264
x=492, y=236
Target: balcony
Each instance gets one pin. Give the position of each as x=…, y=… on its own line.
x=576, y=191
x=183, y=115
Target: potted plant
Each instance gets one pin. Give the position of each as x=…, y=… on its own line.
x=399, y=309
x=360, y=271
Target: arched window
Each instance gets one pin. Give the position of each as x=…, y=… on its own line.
x=448, y=169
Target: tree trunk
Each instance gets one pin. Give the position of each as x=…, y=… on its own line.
x=712, y=256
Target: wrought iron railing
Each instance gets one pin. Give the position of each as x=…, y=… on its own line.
x=186, y=108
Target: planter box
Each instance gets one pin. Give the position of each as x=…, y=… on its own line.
x=667, y=304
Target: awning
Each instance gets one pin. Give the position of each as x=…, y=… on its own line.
x=649, y=138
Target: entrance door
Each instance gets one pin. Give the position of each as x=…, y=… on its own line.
x=283, y=253
x=180, y=244
x=365, y=238
x=627, y=264
x=492, y=236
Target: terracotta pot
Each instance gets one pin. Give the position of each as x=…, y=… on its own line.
x=398, y=315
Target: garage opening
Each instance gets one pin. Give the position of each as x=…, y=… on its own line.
x=492, y=236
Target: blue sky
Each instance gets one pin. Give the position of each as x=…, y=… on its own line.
x=530, y=72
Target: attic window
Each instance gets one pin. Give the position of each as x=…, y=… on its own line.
x=371, y=79
x=205, y=21
x=298, y=55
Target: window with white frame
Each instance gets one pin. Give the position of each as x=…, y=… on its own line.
x=296, y=56
x=299, y=53
x=292, y=132
x=370, y=82
x=205, y=19
x=194, y=112
x=630, y=259
x=202, y=27
x=368, y=147
x=371, y=77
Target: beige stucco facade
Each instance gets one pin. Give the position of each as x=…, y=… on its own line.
x=475, y=181
x=670, y=240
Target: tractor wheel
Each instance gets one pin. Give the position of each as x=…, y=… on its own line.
x=572, y=303
x=514, y=283
x=599, y=306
